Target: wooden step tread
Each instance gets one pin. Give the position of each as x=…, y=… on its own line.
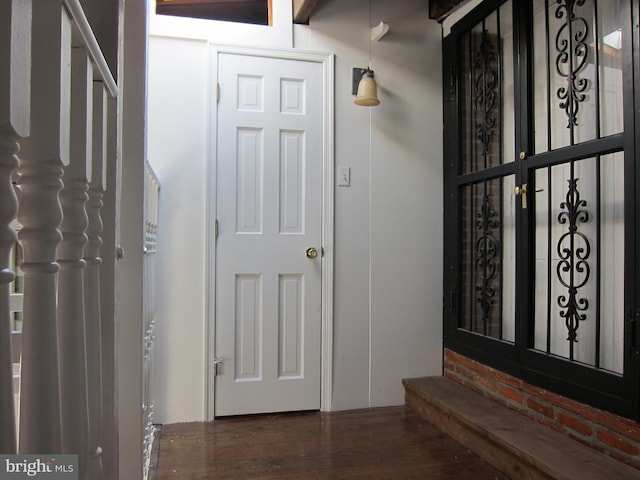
x=517, y=445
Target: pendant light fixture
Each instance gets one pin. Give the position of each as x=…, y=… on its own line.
x=367, y=94
x=367, y=91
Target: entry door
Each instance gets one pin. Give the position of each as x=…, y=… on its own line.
x=540, y=196
x=269, y=208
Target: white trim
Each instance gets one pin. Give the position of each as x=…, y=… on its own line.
x=326, y=382
x=327, y=60
x=210, y=247
x=210, y=243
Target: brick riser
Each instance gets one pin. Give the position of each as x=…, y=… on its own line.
x=607, y=433
x=520, y=447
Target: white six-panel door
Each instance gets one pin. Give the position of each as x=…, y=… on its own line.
x=269, y=212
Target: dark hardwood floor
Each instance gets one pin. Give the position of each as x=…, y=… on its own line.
x=384, y=443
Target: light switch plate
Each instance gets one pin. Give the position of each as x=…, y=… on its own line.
x=344, y=176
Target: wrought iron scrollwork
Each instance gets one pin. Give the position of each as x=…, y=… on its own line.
x=573, y=268
x=487, y=251
x=486, y=85
x=572, y=53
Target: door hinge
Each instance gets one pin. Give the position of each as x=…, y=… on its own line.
x=215, y=229
x=634, y=331
x=217, y=363
x=633, y=315
x=452, y=299
x=634, y=326
x=217, y=93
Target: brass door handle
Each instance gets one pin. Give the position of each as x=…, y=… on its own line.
x=522, y=191
x=311, y=252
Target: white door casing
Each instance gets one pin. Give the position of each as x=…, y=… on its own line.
x=271, y=181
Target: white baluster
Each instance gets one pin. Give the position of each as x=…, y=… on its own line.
x=9, y=202
x=15, y=75
x=40, y=214
x=71, y=322
x=149, y=287
x=92, y=280
x=107, y=290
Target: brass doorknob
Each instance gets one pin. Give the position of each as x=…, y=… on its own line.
x=312, y=252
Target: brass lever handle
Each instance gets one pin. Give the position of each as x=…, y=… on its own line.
x=522, y=191
x=311, y=252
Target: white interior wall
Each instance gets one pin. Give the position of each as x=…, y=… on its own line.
x=388, y=235
x=406, y=203
x=387, y=322
x=178, y=151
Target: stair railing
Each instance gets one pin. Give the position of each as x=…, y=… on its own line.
x=57, y=97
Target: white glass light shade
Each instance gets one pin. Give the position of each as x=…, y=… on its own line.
x=367, y=95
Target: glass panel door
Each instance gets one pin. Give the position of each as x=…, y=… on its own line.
x=578, y=221
x=487, y=296
x=540, y=205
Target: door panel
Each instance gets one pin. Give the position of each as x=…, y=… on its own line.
x=578, y=221
x=487, y=177
x=487, y=294
x=579, y=261
x=269, y=194
x=577, y=88
x=487, y=100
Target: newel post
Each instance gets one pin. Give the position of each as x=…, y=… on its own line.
x=40, y=214
x=15, y=77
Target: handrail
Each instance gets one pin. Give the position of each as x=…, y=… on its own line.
x=80, y=19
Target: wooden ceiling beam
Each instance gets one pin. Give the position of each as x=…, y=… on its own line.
x=302, y=10
x=245, y=11
x=438, y=9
